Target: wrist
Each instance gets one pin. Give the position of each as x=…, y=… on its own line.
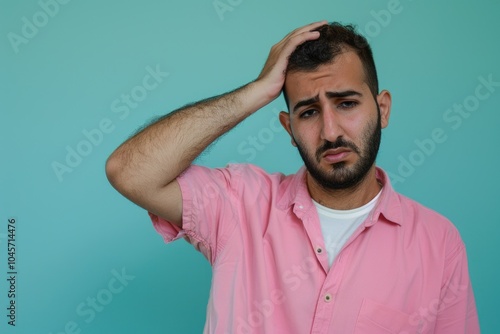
x=261, y=93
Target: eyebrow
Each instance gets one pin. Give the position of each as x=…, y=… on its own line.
x=329, y=95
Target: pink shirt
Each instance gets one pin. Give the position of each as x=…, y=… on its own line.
x=404, y=270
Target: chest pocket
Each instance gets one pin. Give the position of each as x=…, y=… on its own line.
x=375, y=318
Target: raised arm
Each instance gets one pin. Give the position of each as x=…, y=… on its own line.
x=145, y=167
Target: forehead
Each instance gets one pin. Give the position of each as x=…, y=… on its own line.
x=345, y=72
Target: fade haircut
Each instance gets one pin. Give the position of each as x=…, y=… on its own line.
x=334, y=39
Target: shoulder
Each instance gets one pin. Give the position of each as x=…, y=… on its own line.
x=234, y=175
x=420, y=211
x=254, y=179
x=427, y=223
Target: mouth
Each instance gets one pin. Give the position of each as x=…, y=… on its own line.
x=336, y=155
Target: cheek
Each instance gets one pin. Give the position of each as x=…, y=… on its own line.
x=359, y=122
x=354, y=126
x=306, y=134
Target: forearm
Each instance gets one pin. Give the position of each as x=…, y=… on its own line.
x=158, y=154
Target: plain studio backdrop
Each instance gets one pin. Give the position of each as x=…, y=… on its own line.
x=79, y=77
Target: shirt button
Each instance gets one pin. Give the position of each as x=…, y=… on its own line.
x=301, y=207
x=319, y=250
x=328, y=298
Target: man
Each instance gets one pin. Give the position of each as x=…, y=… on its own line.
x=331, y=249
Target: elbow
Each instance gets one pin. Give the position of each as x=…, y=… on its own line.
x=121, y=177
x=114, y=171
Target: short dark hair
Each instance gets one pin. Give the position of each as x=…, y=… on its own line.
x=334, y=39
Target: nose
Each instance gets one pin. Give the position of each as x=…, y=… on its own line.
x=331, y=129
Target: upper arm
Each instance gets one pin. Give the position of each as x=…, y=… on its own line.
x=166, y=203
x=145, y=189
x=163, y=201
x=456, y=310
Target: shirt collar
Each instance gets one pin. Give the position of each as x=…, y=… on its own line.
x=293, y=192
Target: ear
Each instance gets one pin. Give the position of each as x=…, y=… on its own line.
x=384, y=100
x=285, y=122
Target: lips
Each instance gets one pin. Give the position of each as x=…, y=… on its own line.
x=336, y=155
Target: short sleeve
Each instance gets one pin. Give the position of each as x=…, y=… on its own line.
x=209, y=210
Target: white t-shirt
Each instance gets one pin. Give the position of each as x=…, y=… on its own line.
x=338, y=225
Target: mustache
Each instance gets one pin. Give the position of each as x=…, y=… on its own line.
x=340, y=142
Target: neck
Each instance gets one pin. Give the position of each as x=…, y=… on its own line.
x=345, y=199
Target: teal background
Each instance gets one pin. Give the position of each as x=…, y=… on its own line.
x=74, y=231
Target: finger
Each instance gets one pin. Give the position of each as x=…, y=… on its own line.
x=300, y=31
x=306, y=33
x=307, y=28
x=291, y=44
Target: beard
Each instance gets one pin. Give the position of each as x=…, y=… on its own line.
x=341, y=176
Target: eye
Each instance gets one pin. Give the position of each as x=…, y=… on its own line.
x=307, y=113
x=348, y=104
